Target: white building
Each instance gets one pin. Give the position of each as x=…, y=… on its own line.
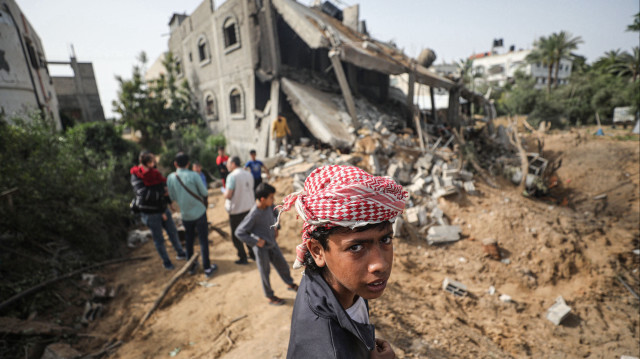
x=500, y=68
x=25, y=84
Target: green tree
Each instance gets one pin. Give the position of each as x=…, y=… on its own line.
x=543, y=53
x=551, y=50
x=609, y=59
x=636, y=23
x=563, y=44
x=628, y=65
x=155, y=107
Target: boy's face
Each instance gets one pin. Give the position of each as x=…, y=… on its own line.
x=358, y=263
x=197, y=168
x=267, y=201
x=152, y=162
x=253, y=156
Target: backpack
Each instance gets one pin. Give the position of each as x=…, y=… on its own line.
x=148, y=199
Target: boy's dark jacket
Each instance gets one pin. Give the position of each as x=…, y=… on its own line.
x=321, y=328
x=149, y=199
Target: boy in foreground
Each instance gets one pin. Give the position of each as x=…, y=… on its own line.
x=347, y=250
x=257, y=230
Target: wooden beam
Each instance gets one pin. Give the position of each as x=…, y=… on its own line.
x=410, y=93
x=434, y=111
x=334, y=55
x=454, y=107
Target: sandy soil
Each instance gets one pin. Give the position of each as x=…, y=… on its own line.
x=577, y=250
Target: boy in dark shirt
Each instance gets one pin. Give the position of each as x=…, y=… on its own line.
x=258, y=231
x=347, y=249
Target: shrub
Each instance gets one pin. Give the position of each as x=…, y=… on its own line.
x=71, y=194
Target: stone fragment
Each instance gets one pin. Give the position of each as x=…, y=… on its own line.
x=491, y=249
x=374, y=165
x=456, y=288
x=469, y=187
x=443, y=234
x=416, y=216
x=60, y=351
x=558, y=311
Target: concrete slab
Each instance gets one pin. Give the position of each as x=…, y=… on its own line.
x=558, y=311
x=456, y=288
x=443, y=234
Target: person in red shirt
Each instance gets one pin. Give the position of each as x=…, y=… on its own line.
x=221, y=162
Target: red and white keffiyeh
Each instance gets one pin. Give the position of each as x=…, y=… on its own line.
x=343, y=196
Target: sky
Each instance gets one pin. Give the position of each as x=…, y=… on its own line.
x=112, y=33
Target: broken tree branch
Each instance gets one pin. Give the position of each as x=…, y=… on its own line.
x=224, y=329
x=222, y=233
x=166, y=290
x=109, y=346
x=43, y=285
x=483, y=174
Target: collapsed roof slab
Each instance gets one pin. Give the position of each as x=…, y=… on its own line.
x=315, y=28
x=318, y=111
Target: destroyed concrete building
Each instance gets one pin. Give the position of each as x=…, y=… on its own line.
x=25, y=84
x=248, y=61
x=78, y=96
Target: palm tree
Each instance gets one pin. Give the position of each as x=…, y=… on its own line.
x=563, y=44
x=627, y=64
x=636, y=23
x=543, y=53
x=607, y=60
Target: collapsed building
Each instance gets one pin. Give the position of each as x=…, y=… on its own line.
x=26, y=86
x=25, y=83
x=78, y=96
x=248, y=61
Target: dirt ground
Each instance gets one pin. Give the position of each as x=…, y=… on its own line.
x=578, y=248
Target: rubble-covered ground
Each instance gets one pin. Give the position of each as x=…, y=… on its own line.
x=567, y=244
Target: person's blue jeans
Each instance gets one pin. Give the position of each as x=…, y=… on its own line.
x=156, y=224
x=202, y=227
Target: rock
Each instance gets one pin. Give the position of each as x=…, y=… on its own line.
x=491, y=249
x=416, y=216
x=397, y=226
x=393, y=170
x=558, y=311
x=469, y=187
x=465, y=175
x=417, y=186
x=505, y=298
x=374, y=165
x=443, y=234
x=137, y=237
x=60, y=351
x=424, y=162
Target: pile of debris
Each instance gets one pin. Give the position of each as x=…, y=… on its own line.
x=431, y=167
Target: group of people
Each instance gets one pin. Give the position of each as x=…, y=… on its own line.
x=346, y=249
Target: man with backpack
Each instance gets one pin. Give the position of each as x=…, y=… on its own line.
x=151, y=201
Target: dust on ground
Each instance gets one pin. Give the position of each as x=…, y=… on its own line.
x=578, y=248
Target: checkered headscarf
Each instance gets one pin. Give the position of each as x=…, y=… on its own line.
x=343, y=196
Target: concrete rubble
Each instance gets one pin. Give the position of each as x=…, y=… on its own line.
x=60, y=351
x=558, y=311
x=456, y=288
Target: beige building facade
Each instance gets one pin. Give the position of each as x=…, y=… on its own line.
x=25, y=84
x=215, y=50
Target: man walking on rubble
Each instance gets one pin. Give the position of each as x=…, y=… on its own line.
x=280, y=131
x=239, y=198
